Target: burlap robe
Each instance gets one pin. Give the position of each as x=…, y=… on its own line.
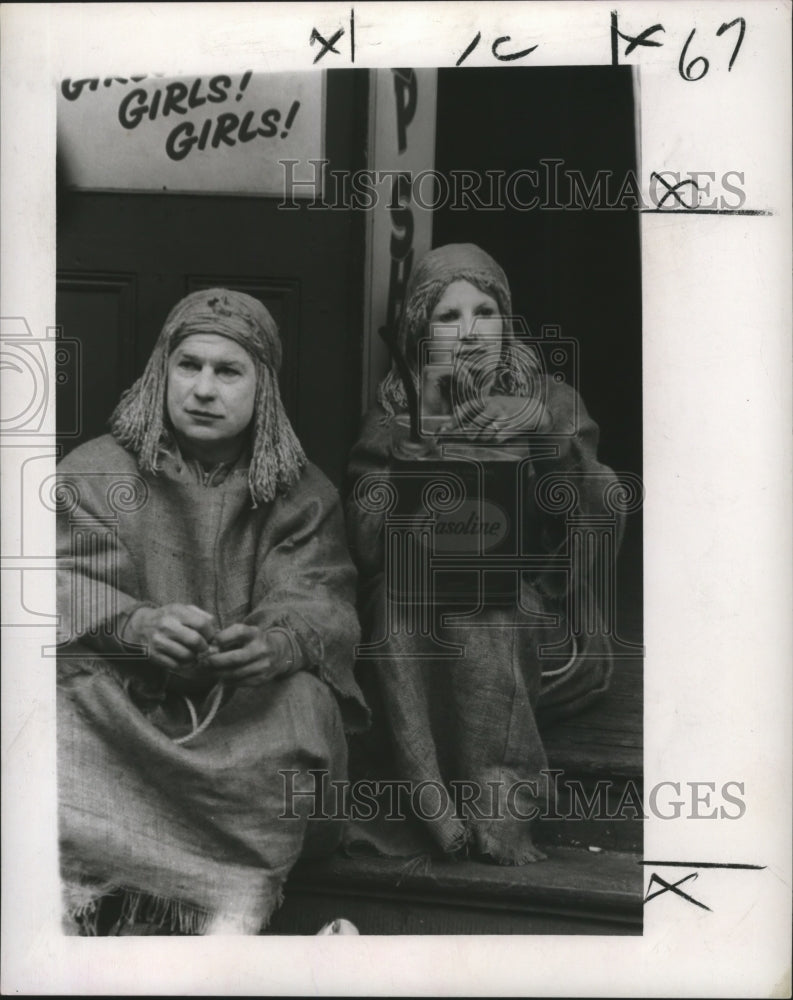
x=474, y=718
x=195, y=827
x=190, y=831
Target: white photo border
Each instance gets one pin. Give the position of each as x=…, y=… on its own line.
x=717, y=470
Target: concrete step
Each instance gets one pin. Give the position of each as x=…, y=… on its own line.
x=591, y=882
x=600, y=755
x=574, y=891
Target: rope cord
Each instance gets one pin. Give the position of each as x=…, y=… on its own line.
x=217, y=695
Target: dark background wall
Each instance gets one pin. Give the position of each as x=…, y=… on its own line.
x=576, y=269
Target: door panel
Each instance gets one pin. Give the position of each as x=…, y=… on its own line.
x=97, y=310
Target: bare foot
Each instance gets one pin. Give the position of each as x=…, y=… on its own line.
x=506, y=842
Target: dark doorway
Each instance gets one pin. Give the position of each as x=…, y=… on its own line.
x=574, y=267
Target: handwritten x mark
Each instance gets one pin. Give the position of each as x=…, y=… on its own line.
x=672, y=190
x=642, y=39
x=328, y=46
x=673, y=887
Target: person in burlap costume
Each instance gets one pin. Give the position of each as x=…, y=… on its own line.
x=207, y=612
x=473, y=718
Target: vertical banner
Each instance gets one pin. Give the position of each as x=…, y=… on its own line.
x=402, y=106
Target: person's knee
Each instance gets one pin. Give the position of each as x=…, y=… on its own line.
x=313, y=708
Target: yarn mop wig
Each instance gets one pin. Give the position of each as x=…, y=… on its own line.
x=434, y=272
x=140, y=424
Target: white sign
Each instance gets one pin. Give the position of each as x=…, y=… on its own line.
x=214, y=133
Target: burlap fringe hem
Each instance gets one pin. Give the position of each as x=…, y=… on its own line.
x=152, y=914
x=146, y=914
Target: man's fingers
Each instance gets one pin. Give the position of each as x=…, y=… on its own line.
x=163, y=645
x=235, y=635
x=198, y=619
x=208, y=629
x=164, y=661
x=229, y=659
x=185, y=636
x=233, y=658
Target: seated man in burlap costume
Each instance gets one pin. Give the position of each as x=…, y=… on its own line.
x=208, y=621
